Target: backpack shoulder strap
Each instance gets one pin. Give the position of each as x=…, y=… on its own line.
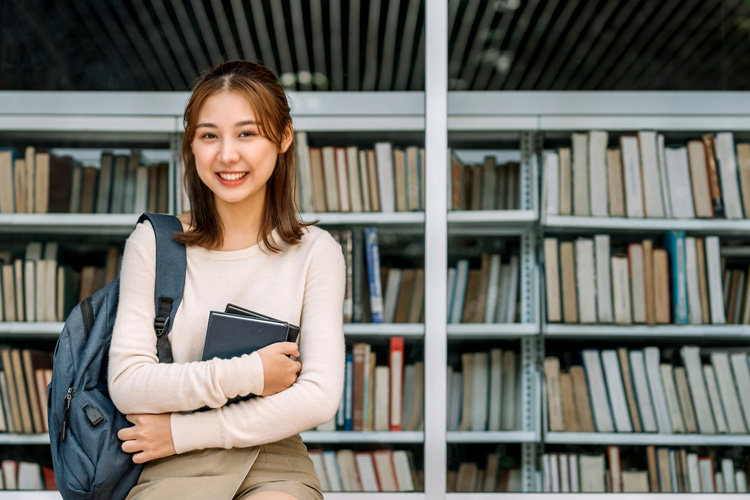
x=171, y=264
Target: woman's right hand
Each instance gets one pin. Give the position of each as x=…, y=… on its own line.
x=279, y=371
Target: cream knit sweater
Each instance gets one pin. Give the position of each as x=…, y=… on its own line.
x=304, y=285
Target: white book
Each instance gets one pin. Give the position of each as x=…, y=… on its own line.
x=585, y=276
x=693, y=286
x=652, y=358
x=728, y=392
x=727, y=471
x=403, y=470
x=692, y=362
x=392, y=286
x=510, y=294
x=719, y=482
x=385, y=470
x=8, y=414
x=616, y=391
x=343, y=180
x=580, y=175
x=547, y=472
x=642, y=391
x=493, y=289
x=673, y=470
x=366, y=470
x=502, y=304
x=603, y=279
x=680, y=189
x=462, y=277
x=320, y=470
x=384, y=161
x=621, y=290
x=740, y=481
x=631, y=171
x=348, y=470
x=715, y=288
x=451, y=286
x=554, y=466
x=694, y=475
x=383, y=395
x=727, y=164
x=479, y=391
x=355, y=183
x=564, y=473
x=661, y=152
x=598, y=173
x=705, y=467
x=598, y=391
x=637, y=282
x=651, y=178
x=715, y=399
x=494, y=421
x=364, y=179
x=673, y=402
x=573, y=470
x=552, y=182
x=330, y=176
x=741, y=374
x=552, y=280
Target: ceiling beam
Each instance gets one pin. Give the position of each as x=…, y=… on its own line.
x=371, y=53
x=354, y=48
x=476, y=52
x=189, y=35
x=264, y=39
x=318, y=38
x=407, y=45
x=166, y=59
x=300, y=43
x=389, y=45
x=175, y=43
x=337, y=46
x=282, y=40
x=214, y=52
x=519, y=32
x=243, y=31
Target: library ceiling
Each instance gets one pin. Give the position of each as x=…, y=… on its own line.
x=377, y=45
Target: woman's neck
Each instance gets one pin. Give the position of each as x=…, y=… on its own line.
x=241, y=224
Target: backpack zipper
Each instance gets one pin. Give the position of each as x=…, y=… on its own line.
x=64, y=422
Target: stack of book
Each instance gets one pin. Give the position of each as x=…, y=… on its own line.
x=42, y=182
x=681, y=283
x=493, y=478
x=621, y=390
x=348, y=179
x=668, y=471
x=386, y=397
x=38, y=287
x=24, y=376
x=488, y=294
x=378, y=293
x=379, y=470
x=485, y=186
x=25, y=475
x=485, y=394
x=705, y=178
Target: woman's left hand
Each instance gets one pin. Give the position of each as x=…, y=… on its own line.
x=149, y=438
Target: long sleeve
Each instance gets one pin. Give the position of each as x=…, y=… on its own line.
x=138, y=383
x=313, y=398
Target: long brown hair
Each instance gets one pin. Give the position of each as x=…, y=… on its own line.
x=269, y=103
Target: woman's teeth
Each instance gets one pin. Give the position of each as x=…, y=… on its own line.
x=234, y=176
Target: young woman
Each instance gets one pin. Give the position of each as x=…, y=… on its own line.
x=246, y=246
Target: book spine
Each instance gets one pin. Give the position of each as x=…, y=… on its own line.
x=373, y=274
x=397, y=375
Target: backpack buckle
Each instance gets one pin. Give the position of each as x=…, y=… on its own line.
x=160, y=325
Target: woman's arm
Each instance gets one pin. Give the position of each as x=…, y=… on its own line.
x=138, y=383
x=313, y=399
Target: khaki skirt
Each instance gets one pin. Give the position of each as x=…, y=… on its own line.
x=283, y=466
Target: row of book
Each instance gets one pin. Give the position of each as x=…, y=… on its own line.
x=42, y=182
x=354, y=471
x=586, y=282
x=484, y=186
x=493, y=478
x=636, y=391
x=26, y=475
x=705, y=178
x=385, y=397
x=488, y=294
x=485, y=393
x=348, y=179
x=668, y=471
x=38, y=287
x=24, y=377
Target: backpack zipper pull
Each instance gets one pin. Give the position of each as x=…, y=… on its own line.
x=64, y=423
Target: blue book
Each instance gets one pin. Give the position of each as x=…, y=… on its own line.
x=348, y=392
x=674, y=243
x=372, y=252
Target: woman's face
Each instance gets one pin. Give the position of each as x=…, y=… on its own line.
x=232, y=159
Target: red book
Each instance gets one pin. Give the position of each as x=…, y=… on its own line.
x=49, y=478
x=397, y=377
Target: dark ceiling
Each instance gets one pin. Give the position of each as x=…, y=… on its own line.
x=377, y=44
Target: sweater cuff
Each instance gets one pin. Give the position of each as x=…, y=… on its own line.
x=242, y=377
x=196, y=431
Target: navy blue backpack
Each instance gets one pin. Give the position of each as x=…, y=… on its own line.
x=83, y=422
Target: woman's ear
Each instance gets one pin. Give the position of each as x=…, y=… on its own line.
x=286, y=138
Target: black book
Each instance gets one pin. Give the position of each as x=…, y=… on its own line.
x=239, y=331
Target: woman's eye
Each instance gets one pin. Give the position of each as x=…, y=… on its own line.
x=208, y=135
x=247, y=133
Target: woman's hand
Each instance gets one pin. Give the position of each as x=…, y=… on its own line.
x=149, y=438
x=279, y=371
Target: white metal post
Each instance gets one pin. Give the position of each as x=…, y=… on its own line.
x=436, y=251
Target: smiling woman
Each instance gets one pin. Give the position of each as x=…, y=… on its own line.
x=244, y=245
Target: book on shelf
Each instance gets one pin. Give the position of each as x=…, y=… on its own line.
x=487, y=185
x=487, y=474
x=703, y=177
x=359, y=471
x=488, y=294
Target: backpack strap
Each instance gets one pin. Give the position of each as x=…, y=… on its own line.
x=171, y=264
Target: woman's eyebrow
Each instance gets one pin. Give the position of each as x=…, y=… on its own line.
x=238, y=124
